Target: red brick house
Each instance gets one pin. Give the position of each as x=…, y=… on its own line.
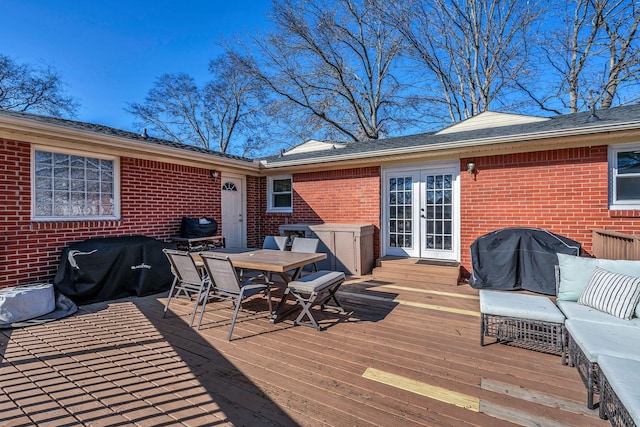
x=428, y=195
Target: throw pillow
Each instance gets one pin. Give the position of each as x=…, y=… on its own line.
x=576, y=271
x=612, y=293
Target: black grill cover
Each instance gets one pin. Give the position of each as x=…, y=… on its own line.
x=103, y=269
x=518, y=258
x=193, y=228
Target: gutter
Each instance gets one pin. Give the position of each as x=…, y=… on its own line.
x=454, y=145
x=42, y=133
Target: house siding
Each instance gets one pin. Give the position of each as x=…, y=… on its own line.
x=341, y=196
x=564, y=191
x=154, y=197
x=256, y=205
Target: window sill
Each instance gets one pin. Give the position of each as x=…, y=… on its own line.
x=101, y=224
x=626, y=213
x=76, y=219
x=280, y=211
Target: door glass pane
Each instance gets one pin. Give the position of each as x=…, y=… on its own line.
x=438, y=198
x=430, y=182
x=447, y=243
x=400, y=209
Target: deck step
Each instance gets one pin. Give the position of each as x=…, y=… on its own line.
x=417, y=270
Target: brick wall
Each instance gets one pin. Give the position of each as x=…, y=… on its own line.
x=342, y=196
x=256, y=194
x=563, y=191
x=154, y=197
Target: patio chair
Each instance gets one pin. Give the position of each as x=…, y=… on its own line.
x=278, y=243
x=227, y=285
x=275, y=242
x=306, y=245
x=188, y=279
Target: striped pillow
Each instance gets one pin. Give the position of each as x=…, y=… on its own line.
x=612, y=293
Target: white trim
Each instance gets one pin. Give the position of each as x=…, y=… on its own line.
x=612, y=159
x=243, y=200
x=70, y=138
x=270, y=207
x=384, y=214
x=483, y=143
x=418, y=170
x=116, y=186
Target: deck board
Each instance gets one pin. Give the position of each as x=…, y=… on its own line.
x=406, y=353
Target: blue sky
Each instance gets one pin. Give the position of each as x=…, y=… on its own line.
x=110, y=52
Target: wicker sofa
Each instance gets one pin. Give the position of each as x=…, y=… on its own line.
x=600, y=300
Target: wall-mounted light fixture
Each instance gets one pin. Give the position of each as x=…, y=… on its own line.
x=471, y=168
x=213, y=174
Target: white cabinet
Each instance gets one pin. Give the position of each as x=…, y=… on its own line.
x=349, y=247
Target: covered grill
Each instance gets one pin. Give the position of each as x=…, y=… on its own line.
x=518, y=258
x=103, y=269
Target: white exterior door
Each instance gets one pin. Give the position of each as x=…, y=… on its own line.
x=421, y=212
x=437, y=216
x=401, y=208
x=233, y=211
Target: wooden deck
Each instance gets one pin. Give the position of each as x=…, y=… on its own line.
x=405, y=355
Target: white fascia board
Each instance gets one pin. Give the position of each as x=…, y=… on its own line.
x=453, y=145
x=56, y=135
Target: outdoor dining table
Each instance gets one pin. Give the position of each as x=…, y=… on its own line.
x=271, y=261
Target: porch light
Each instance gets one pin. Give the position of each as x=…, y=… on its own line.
x=213, y=174
x=471, y=167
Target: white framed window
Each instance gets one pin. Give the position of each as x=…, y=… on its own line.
x=280, y=193
x=624, y=176
x=71, y=185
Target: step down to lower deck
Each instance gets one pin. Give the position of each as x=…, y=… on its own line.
x=417, y=270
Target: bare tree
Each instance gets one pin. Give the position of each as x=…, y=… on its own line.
x=592, y=56
x=174, y=108
x=32, y=89
x=211, y=116
x=620, y=21
x=234, y=99
x=331, y=65
x=473, y=51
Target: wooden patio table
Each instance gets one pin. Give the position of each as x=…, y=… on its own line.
x=271, y=261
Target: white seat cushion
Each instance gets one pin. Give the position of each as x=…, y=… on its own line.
x=623, y=375
x=26, y=302
x=597, y=339
x=521, y=306
x=573, y=310
x=317, y=281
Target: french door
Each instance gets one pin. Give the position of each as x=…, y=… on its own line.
x=421, y=212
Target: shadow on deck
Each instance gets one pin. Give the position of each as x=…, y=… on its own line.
x=406, y=354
